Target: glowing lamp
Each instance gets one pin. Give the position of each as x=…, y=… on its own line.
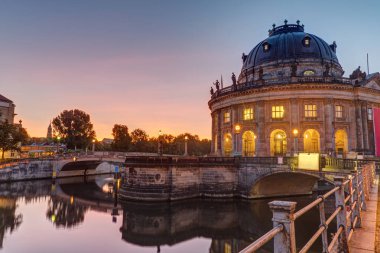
x=237, y=128
x=295, y=132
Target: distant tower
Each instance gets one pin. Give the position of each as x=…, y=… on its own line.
x=49, y=132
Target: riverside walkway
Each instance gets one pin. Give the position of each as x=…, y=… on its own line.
x=364, y=238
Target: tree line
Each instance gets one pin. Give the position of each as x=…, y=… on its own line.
x=75, y=129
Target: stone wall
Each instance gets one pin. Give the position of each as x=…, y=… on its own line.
x=175, y=183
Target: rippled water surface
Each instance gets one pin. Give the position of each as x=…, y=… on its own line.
x=82, y=215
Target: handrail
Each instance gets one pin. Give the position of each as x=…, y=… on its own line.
x=263, y=239
x=356, y=186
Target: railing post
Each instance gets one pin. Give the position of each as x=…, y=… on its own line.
x=341, y=217
x=362, y=190
x=356, y=197
x=322, y=217
x=284, y=242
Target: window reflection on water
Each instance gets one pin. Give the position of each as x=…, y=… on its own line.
x=86, y=204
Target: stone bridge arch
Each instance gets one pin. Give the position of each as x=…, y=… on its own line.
x=284, y=183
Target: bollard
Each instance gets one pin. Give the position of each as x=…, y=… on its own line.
x=284, y=242
x=341, y=217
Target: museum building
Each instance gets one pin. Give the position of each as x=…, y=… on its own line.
x=291, y=97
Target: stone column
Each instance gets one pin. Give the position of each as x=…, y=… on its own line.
x=260, y=118
x=329, y=126
x=236, y=137
x=219, y=133
x=352, y=129
x=365, y=125
x=294, y=124
x=359, y=126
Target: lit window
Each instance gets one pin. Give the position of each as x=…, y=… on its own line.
x=227, y=117
x=266, y=46
x=308, y=73
x=338, y=111
x=370, y=115
x=277, y=112
x=248, y=114
x=306, y=41
x=310, y=111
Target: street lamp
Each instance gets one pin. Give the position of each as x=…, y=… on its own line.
x=186, y=139
x=160, y=149
x=237, y=131
x=58, y=139
x=295, y=133
x=93, y=146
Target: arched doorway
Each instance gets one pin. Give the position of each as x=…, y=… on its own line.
x=249, y=147
x=341, y=142
x=278, y=142
x=311, y=141
x=227, y=145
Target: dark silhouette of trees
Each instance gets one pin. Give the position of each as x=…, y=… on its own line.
x=11, y=137
x=122, y=140
x=75, y=128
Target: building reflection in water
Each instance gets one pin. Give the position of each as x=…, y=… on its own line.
x=231, y=225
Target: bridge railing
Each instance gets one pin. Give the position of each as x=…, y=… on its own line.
x=349, y=207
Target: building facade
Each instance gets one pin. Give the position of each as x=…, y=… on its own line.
x=291, y=97
x=7, y=110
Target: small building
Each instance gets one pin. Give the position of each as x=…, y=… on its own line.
x=7, y=110
x=291, y=96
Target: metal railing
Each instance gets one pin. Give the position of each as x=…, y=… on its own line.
x=350, y=199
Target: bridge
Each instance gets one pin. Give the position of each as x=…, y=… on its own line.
x=174, y=178
x=59, y=166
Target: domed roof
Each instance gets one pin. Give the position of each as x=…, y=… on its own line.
x=290, y=43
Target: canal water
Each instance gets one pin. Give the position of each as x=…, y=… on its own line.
x=83, y=215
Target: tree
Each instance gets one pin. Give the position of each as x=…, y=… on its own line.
x=11, y=137
x=121, y=138
x=139, y=140
x=75, y=128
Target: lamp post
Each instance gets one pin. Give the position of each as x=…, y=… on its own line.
x=295, y=133
x=237, y=129
x=58, y=138
x=93, y=146
x=160, y=143
x=186, y=139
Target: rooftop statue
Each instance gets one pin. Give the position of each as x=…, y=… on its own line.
x=358, y=74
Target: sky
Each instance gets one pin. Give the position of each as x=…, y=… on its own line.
x=149, y=64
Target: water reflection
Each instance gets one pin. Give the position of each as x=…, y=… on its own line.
x=9, y=220
x=230, y=225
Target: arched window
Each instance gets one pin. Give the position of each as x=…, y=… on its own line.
x=249, y=146
x=227, y=144
x=311, y=141
x=306, y=41
x=309, y=73
x=266, y=46
x=341, y=141
x=278, y=142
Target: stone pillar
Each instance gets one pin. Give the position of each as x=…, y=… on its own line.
x=294, y=124
x=261, y=140
x=236, y=136
x=365, y=125
x=284, y=242
x=352, y=129
x=359, y=127
x=329, y=126
x=219, y=132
